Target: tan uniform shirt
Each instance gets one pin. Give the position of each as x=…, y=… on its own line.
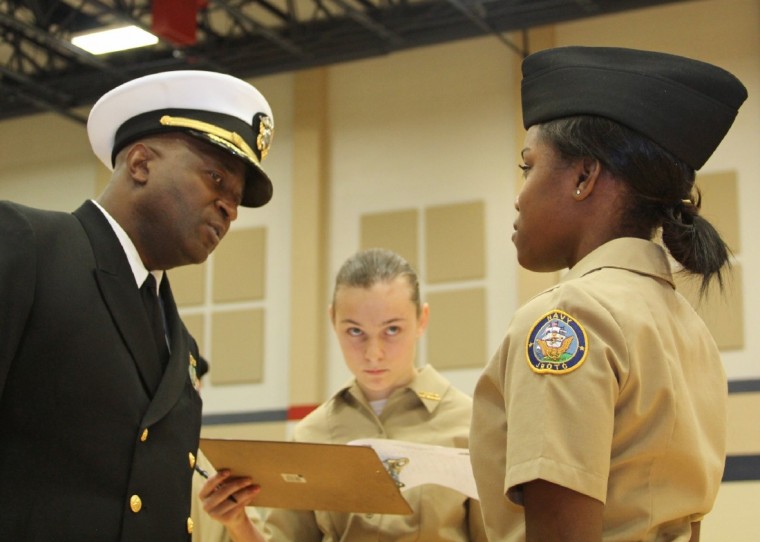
x=630, y=411
x=429, y=411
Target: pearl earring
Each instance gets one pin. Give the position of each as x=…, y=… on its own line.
x=578, y=192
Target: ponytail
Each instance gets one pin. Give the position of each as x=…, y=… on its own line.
x=695, y=243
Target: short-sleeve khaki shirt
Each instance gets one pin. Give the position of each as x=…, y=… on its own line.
x=608, y=384
x=430, y=410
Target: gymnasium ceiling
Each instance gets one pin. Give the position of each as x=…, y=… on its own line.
x=40, y=70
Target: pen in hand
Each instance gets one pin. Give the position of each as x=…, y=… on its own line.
x=205, y=475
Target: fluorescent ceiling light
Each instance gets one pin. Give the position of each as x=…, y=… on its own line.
x=114, y=39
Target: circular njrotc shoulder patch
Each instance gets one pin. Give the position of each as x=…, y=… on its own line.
x=556, y=344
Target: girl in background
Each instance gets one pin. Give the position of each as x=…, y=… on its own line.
x=377, y=316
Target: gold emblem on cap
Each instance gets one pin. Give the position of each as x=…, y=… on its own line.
x=428, y=395
x=266, y=133
x=231, y=140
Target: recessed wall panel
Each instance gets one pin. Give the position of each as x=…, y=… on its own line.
x=188, y=284
x=723, y=312
x=455, y=242
x=456, y=335
x=239, y=266
x=237, y=352
x=720, y=205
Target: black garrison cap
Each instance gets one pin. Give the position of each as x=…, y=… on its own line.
x=684, y=105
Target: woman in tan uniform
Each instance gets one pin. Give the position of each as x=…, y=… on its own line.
x=602, y=415
x=377, y=316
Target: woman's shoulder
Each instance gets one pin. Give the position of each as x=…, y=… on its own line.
x=580, y=295
x=320, y=424
x=317, y=417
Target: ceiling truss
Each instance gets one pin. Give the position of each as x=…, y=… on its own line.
x=40, y=70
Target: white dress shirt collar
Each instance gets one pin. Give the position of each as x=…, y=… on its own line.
x=135, y=263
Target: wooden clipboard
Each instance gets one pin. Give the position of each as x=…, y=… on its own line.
x=307, y=476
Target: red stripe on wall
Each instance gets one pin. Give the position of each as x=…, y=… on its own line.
x=297, y=412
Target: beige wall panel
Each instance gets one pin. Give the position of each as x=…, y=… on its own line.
x=396, y=230
x=720, y=205
x=237, y=351
x=455, y=242
x=239, y=266
x=743, y=424
x=734, y=516
x=247, y=431
x=722, y=312
x=188, y=284
x=195, y=325
x=456, y=336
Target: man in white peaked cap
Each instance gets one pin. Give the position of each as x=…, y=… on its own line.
x=99, y=407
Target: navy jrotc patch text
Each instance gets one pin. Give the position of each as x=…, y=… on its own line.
x=556, y=344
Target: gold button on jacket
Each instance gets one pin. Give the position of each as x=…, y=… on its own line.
x=135, y=503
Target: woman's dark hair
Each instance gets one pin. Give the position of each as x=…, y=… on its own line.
x=367, y=268
x=660, y=187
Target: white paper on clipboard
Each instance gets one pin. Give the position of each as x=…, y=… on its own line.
x=412, y=464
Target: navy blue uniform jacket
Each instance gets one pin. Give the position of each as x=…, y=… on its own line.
x=80, y=383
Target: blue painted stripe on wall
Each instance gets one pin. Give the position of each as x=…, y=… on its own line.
x=281, y=415
x=246, y=417
x=743, y=386
x=742, y=468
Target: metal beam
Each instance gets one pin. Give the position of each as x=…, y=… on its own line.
x=56, y=44
x=259, y=28
x=367, y=22
x=483, y=25
x=250, y=38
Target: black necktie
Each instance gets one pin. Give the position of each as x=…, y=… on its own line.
x=155, y=317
